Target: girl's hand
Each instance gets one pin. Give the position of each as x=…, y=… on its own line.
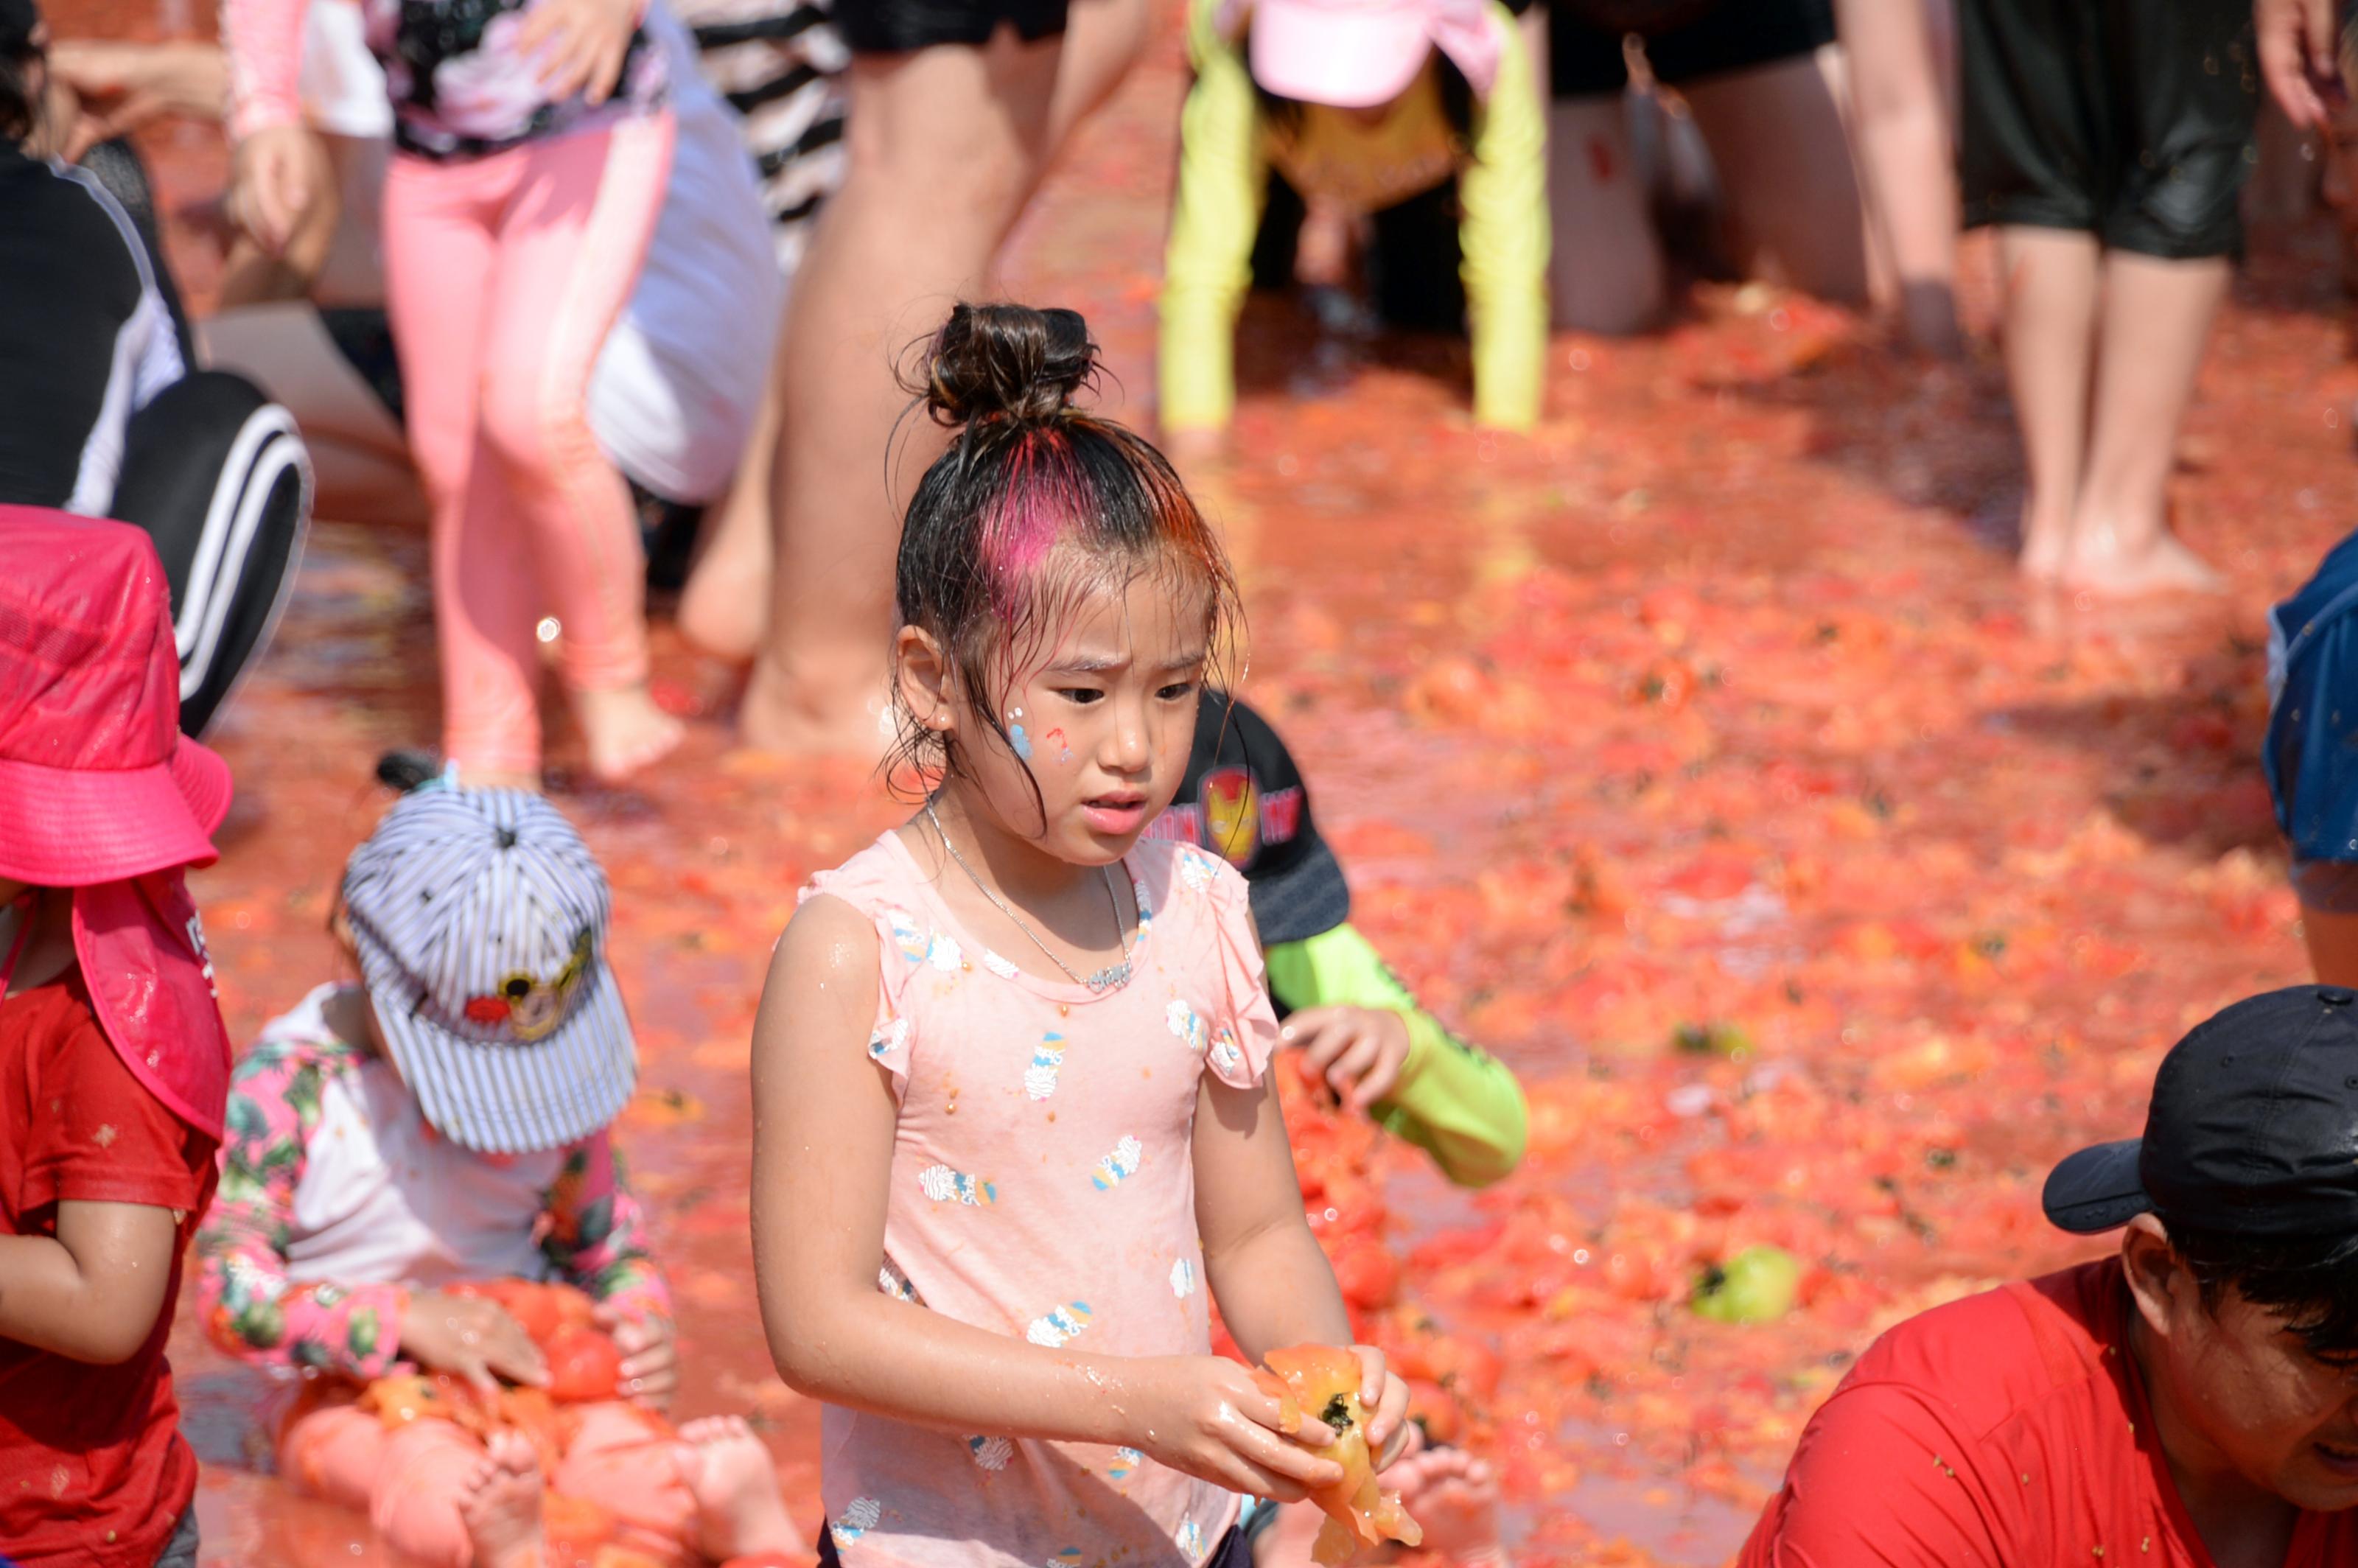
x=471, y=1338
x=1359, y=1051
x=1204, y=1415
x=274, y=177
x=650, y=1356
x=584, y=42
x=1385, y=1398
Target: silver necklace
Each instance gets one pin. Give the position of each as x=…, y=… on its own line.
x=1105, y=979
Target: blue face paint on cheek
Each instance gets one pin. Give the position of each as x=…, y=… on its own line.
x=1019, y=741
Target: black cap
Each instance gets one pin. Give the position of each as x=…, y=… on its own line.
x=2253, y=1128
x=19, y=19
x=1244, y=799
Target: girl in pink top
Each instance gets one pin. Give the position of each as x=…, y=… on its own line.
x=532, y=144
x=1012, y=1134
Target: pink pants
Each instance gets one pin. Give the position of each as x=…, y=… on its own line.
x=502, y=276
x=407, y=1479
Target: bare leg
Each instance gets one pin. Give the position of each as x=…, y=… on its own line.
x=1605, y=270
x=2050, y=321
x=726, y=599
x=944, y=147
x=1902, y=134
x=739, y=1511
x=1794, y=213
x=2156, y=317
x=1102, y=41
x=501, y=1506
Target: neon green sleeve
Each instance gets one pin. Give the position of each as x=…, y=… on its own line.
x=1208, y=266
x=1457, y=1103
x=1504, y=236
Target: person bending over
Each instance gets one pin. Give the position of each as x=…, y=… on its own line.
x=2185, y=1401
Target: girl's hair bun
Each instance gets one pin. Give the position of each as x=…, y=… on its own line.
x=1007, y=361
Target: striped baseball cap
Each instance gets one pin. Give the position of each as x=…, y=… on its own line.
x=479, y=916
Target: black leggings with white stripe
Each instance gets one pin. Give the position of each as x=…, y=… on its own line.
x=216, y=474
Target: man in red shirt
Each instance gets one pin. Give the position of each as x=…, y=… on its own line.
x=2191, y=1402
x=114, y=1063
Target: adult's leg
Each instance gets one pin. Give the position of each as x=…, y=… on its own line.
x=216, y=473
x=1605, y=269
x=2185, y=88
x=946, y=144
x=2051, y=288
x=438, y=255
x=569, y=246
x=1794, y=214
x=1901, y=123
x=2156, y=317
x=1102, y=40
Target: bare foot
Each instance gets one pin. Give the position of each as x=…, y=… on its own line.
x=846, y=716
x=2045, y=544
x=1456, y=1497
x=626, y=731
x=725, y=605
x=499, y=1504
x=2099, y=565
x=739, y=1511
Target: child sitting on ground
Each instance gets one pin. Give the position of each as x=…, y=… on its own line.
x=114, y=1062
x=1365, y=1034
x=445, y=1123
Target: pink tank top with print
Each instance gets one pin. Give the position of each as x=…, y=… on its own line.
x=1044, y=1187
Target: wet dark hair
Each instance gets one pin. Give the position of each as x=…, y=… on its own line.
x=1038, y=504
x=19, y=113
x=2312, y=1284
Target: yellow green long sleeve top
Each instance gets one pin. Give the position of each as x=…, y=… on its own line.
x=1226, y=146
x=1457, y=1103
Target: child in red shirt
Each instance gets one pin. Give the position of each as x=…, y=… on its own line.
x=114, y=1062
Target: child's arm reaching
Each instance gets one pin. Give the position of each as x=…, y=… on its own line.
x=1456, y=1102
x=597, y=1240
x=823, y=1132
x=246, y=1302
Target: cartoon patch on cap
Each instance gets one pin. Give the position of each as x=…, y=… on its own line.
x=528, y=1005
x=1232, y=814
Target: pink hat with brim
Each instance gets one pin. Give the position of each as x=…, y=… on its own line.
x=97, y=783
x=1355, y=54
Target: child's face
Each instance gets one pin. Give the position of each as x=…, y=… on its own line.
x=1103, y=718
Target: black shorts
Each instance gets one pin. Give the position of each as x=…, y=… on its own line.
x=2130, y=120
x=1584, y=61
x=898, y=27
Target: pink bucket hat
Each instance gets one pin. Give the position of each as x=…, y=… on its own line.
x=1354, y=54
x=97, y=783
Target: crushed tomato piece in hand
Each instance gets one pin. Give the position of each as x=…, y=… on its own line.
x=1322, y=1383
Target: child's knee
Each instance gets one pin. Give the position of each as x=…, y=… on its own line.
x=535, y=431
x=334, y=1452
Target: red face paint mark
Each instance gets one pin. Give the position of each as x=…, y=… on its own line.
x=1601, y=161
